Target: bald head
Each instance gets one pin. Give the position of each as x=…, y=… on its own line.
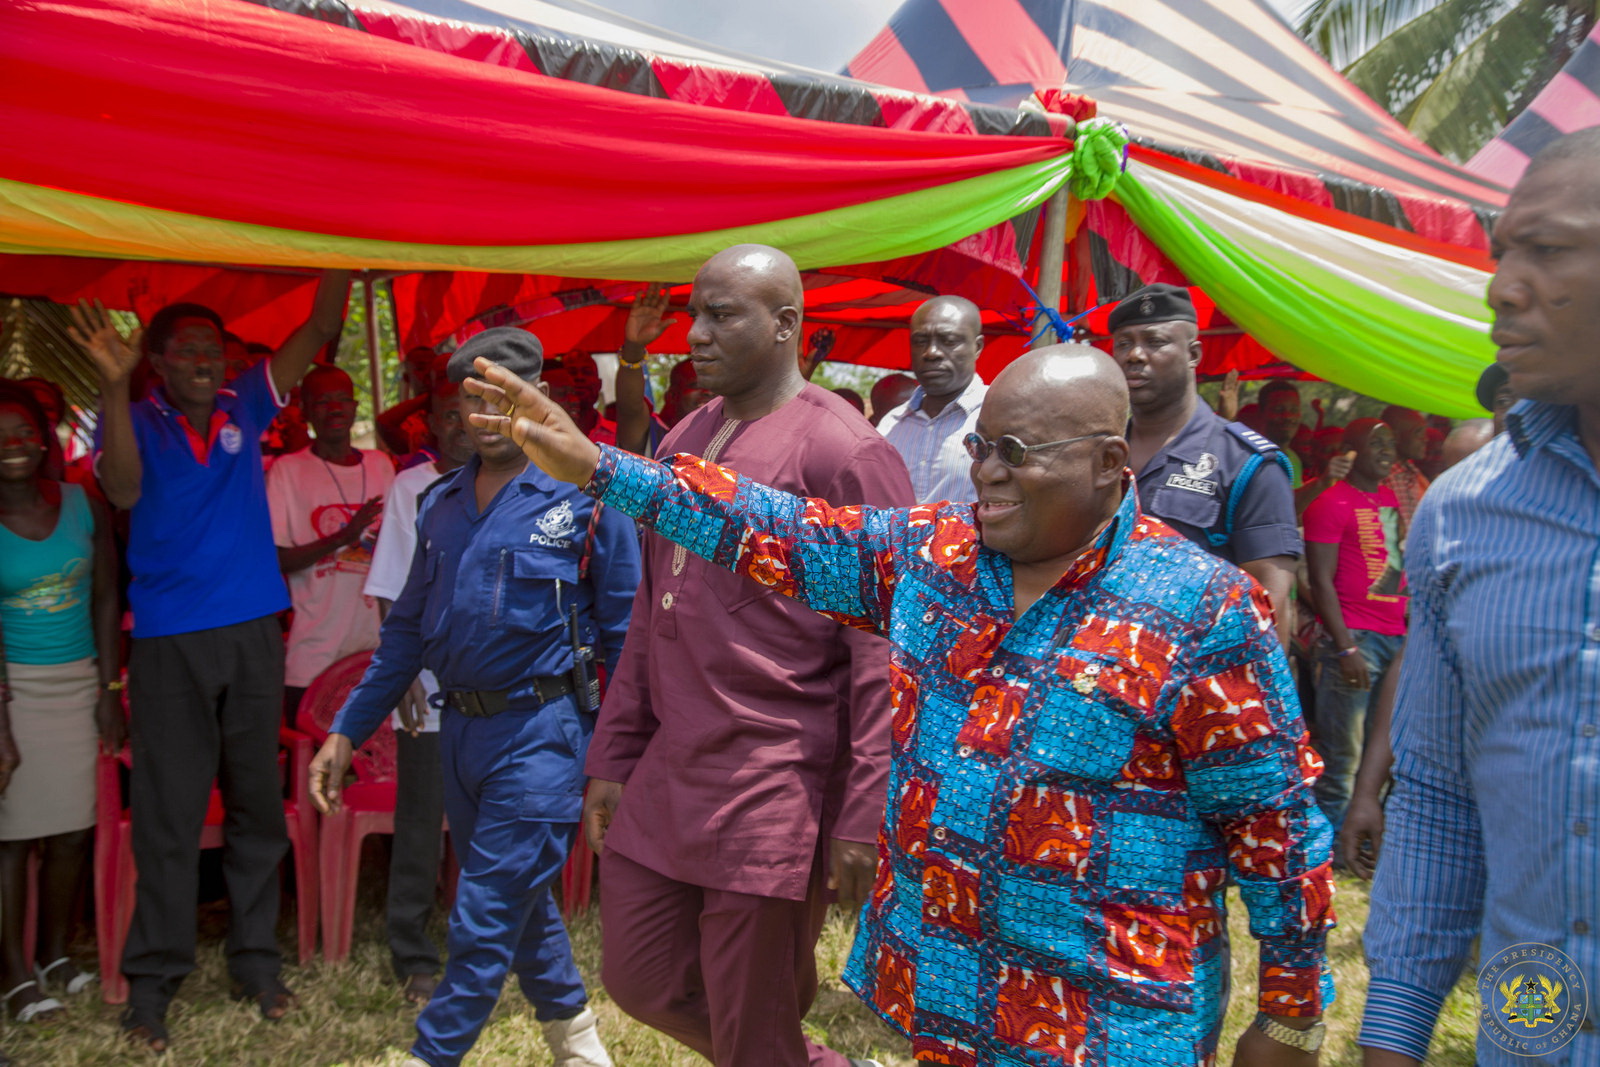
x=959, y=308
x=1068, y=406
x=744, y=329
x=767, y=272
x=946, y=337
x=323, y=378
x=1465, y=439
x=1076, y=389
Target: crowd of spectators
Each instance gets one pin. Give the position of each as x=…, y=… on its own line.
x=757, y=744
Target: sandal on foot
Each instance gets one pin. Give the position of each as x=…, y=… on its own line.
x=145, y=1029
x=418, y=988
x=274, y=999
x=36, y=1009
x=74, y=979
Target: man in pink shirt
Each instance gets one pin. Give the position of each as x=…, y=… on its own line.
x=1353, y=551
x=739, y=764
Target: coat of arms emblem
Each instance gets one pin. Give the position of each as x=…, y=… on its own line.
x=1531, y=1002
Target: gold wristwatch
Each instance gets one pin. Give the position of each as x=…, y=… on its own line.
x=1307, y=1040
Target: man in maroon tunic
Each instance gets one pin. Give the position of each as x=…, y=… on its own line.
x=739, y=763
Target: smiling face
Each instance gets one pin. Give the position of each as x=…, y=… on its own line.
x=1158, y=360
x=946, y=337
x=1545, y=294
x=328, y=399
x=21, y=445
x=1048, y=508
x=1373, y=443
x=192, y=365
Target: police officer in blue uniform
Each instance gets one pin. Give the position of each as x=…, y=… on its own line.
x=516, y=589
x=1219, y=483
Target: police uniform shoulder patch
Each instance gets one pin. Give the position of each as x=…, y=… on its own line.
x=1252, y=440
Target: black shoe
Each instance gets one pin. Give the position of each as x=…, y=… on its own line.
x=272, y=998
x=145, y=1028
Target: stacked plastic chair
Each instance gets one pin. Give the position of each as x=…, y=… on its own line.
x=367, y=803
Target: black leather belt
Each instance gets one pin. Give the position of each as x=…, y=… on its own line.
x=482, y=703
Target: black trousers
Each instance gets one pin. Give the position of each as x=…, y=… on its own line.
x=291, y=705
x=205, y=706
x=414, y=860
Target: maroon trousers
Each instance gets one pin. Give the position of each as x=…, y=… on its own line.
x=728, y=974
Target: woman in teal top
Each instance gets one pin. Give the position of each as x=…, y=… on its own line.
x=59, y=618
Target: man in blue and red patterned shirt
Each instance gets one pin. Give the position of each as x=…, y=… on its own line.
x=1094, y=725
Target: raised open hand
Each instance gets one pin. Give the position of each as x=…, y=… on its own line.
x=362, y=518
x=645, y=318
x=113, y=356
x=1228, y=396
x=539, y=426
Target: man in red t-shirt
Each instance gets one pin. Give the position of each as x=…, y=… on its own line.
x=1353, y=551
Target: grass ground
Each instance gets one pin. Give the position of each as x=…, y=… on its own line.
x=351, y=1014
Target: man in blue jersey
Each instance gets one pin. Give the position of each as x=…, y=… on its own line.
x=205, y=673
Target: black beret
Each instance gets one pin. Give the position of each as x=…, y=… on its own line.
x=1489, y=382
x=1153, y=303
x=518, y=351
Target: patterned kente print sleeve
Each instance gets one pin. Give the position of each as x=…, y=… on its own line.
x=1069, y=790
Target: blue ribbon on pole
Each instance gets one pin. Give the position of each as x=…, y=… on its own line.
x=1043, y=315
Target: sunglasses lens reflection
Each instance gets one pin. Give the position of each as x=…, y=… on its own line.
x=1012, y=452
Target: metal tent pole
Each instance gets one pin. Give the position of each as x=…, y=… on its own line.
x=374, y=359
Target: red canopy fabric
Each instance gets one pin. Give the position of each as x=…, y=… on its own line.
x=442, y=151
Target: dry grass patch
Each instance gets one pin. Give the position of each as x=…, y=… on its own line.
x=352, y=1015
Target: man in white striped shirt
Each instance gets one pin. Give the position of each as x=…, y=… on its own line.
x=927, y=430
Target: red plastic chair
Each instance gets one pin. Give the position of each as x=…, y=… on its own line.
x=368, y=808
x=368, y=802
x=115, y=876
x=577, y=878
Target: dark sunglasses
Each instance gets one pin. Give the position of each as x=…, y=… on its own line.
x=1012, y=452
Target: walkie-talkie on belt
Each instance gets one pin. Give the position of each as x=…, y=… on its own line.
x=585, y=678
